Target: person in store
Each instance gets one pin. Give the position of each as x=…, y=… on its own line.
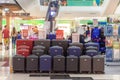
x=13, y=35
x=88, y=32
x=6, y=35
x=19, y=36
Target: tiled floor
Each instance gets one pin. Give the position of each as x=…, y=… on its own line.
x=111, y=72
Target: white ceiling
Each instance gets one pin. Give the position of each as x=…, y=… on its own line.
x=35, y=9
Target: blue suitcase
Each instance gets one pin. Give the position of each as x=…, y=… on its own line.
x=56, y=50
x=74, y=50
x=51, y=36
x=45, y=63
x=92, y=53
x=109, y=54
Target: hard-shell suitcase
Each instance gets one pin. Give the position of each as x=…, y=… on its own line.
x=92, y=53
x=109, y=54
x=18, y=63
x=85, y=64
x=45, y=63
x=77, y=44
x=59, y=63
x=23, y=52
x=38, y=52
x=56, y=50
x=72, y=63
x=32, y=63
x=98, y=64
x=43, y=42
x=74, y=50
x=62, y=43
x=25, y=42
x=38, y=47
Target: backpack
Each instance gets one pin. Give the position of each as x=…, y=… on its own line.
x=95, y=33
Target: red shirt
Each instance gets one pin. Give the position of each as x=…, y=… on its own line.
x=5, y=33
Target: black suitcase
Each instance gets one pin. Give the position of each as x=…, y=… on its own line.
x=85, y=64
x=59, y=63
x=62, y=43
x=98, y=64
x=72, y=64
x=18, y=63
x=38, y=52
x=32, y=63
x=43, y=42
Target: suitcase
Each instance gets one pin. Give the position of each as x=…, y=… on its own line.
x=23, y=47
x=92, y=53
x=51, y=36
x=45, y=63
x=109, y=54
x=43, y=42
x=62, y=43
x=18, y=63
x=56, y=50
x=38, y=52
x=23, y=52
x=38, y=47
x=72, y=64
x=85, y=64
x=32, y=63
x=77, y=44
x=74, y=50
x=59, y=63
x=25, y=42
x=98, y=64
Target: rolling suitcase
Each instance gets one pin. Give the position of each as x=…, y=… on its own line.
x=72, y=64
x=74, y=50
x=23, y=52
x=98, y=64
x=56, y=50
x=109, y=54
x=59, y=63
x=38, y=52
x=32, y=63
x=18, y=63
x=77, y=44
x=43, y=42
x=45, y=63
x=85, y=64
x=92, y=53
x=38, y=47
x=62, y=43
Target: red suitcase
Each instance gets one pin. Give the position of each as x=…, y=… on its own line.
x=23, y=52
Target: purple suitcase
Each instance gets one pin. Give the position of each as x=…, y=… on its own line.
x=74, y=50
x=45, y=63
x=56, y=50
x=92, y=53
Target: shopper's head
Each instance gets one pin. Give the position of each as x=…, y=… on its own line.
x=14, y=30
x=5, y=26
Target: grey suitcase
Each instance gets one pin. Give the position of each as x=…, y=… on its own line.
x=72, y=63
x=32, y=63
x=85, y=64
x=43, y=42
x=38, y=52
x=18, y=63
x=38, y=47
x=98, y=64
x=59, y=63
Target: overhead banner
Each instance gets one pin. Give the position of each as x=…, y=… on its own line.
x=59, y=34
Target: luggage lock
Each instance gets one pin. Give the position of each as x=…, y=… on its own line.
x=85, y=59
x=98, y=59
x=18, y=59
x=59, y=60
